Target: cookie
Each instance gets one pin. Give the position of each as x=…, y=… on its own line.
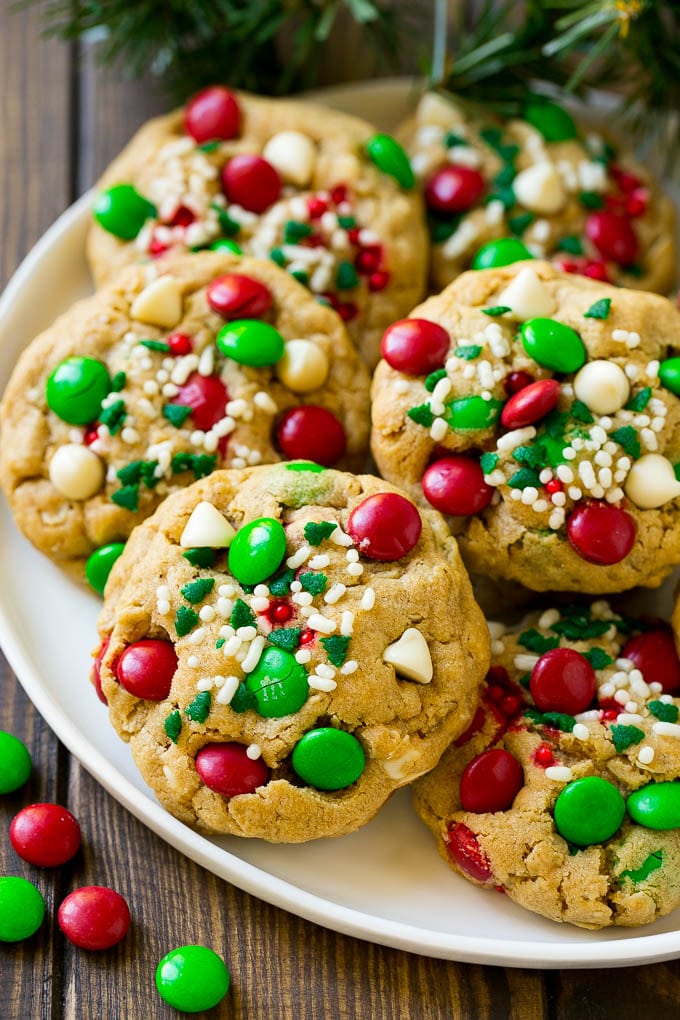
x=275, y=649
x=318, y=191
x=161, y=377
x=563, y=793
x=540, y=410
x=549, y=186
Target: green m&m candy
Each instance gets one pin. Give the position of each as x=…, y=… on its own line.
x=473, y=413
x=122, y=211
x=76, y=388
x=553, y=122
x=502, y=252
x=669, y=374
x=328, y=759
x=388, y=156
x=656, y=806
x=279, y=683
x=257, y=550
x=22, y=909
x=99, y=564
x=226, y=244
x=251, y=342
x=589, y=810
x=553, y=345
x=192, y=978
x=15, y=763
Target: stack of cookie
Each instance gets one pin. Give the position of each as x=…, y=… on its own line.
x=285, y=641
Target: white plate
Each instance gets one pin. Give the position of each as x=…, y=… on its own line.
x=385, y=883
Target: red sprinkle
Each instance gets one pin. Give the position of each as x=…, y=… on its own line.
x=227, y=769
x=491, y=781
x=91, y=434
x=655, y=655
x=316, y=207
x=182, y=217
x=368, y=260
x=212, y=114
x=385, y=526
x=554, y=485
x=146, y=668
x=563, y=681
x=347, y=310
x=517, y=381
x=544, y=756
x=530, y=404
x=235, y=296
x=626, y=181
x=636, y=204
x=415, y=346
x=465, y=852
x=94, y=917
x=46, y=835
x=378, y=281
x=601, y=533
x=251, y=182
x=279, y=611
x=455, y=485
x=339, y=194
x=310, y=432
x=157, y=247
x=307, y=636
x=596, y=271
x=180, y=344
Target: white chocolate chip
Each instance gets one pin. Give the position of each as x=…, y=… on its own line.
x=527, y=296
x=159, y=304
x=651, y=482
x=207, y=528
x=293, y=154
x=76, y=472
x=602, y=386
x=540, y=189
x=410, y=656
x=303, y=367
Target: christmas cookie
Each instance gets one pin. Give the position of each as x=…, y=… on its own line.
x=160, y=378
x=564, y=791
x=271, y=650
x=540, y=411
x=319, y=192
x=547, y=186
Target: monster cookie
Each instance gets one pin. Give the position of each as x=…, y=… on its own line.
x=158, y=379
x=271, y=648
x=317, y=191
x=546, y=187
x=540, y=410
x=564, y=791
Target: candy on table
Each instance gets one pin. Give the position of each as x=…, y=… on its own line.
x=15, y=763
x=192, y=978
x=46, y=835
x=94, y=917
x=22, y=909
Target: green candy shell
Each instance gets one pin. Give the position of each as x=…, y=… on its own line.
x=589, y=811
x=669, y=374
x=388, y=156
x=251, y=342
x=279, y=683
x=76, y=388
x=192, y=978
x=257, y=550
x=226, y=244
x=656, y=806
x=553, y=345
x=122, y=211
x=469, y=413
x=553, y=122
x=329, y=759
x=22, y=909
x=502, y=252
x=15, y=763
x=100, y=563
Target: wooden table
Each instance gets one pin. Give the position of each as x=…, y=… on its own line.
x=62, y=120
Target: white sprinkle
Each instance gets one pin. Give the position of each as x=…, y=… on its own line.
x=302, y=598
x=319, y=562
x=303, y=655
x=548, y=618
x=207, y=614
x=665, y=699
x=568, y=453
x=334, y=593
x=352, y=555
x=556, y=519
x=518, y=437
x=228, y=690
x=162, y=607
x=327, y=672
x=559, y=773
x=253, y=751
x=254, y=654
x=298, y=557
x=351, y=666
x=339, y=537
x=319, y=683
x=581, y=731
x=224, y=607
x=232, y=647
x=347, y=624
x=438, y=429
x=621, y=696
x=652, y=370
x=631, y=707
x=646, y=754
x=192, y=661
x=205, y=683
x=197, y=636
x=524, y=662
x=606, y=691
x=666, y=729
x=264, y=402
x=129, y=435
x=259, y=604
x=558, y=499
x=260, y=590
x=593, y=713
x=206, y=361
x=247, y=633
x=629, y=718
x=355, y=569
x=497, y=647
x=565, y=474
x=321, y=623
x=368, y=599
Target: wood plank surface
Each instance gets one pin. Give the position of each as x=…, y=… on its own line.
x=63, y=119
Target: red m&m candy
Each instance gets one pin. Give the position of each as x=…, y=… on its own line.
x=96, y=671
x=212, y=114
x=94, y=917
x=613, y=236
x=45, y=835
x=311, y=433
x=385, y=526
x=146, y=669
x=563, y=681
x=235, y=296
x=454, y=189
x=491, y=781
x=530, y=403
x=415, y=346
x=207, y=397
x=227, y=769
x=655, y=655
x=251, y=182
x=455, y=485
x=601, y=533
x=465, y=852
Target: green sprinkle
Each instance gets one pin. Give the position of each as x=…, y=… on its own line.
x=640, y=400
x=433, y=378
x=523, y=478
x=127, y=497
x=176, y=414
x=624, y=736
x=347, y=222
x=204, y=464
x=301, y=276
x=650, y=864
x=505, y=176
x=317, y=531
x=529, y=456
x=306, y=466
x=504, y=195
x=442, y=229
x=664, y=712
x=421, y=415
x=627, y=437
x=315, y=584
x=220, y=641
x=555, y=720
x=571, y=244
x=525, y=681
x=210, y=146
x=185, y=620
x=492, y=136
x=591, y=200
x=113, y=416
x=287, y=638
x=200, y=557
x=598, y=658
x=346, y=277
x=280, y=585
x=580, y=412
x=130, y=474
x=336, y=648
x=118, y=382
x=634, y=270
x=155, y=345
x=518, y=224
x=149, y=476
x=243, y=700
x=276, y=255
x=227, y=225
x=173, y=726
x=294, y=231
x=241, y=615
x=496, y=310
x=196, y=591
x=488, y=462
x=451, y=139
x=469, y=352
x=198, y=709
x=537, y=642
x=580, y=627
x=600, y=310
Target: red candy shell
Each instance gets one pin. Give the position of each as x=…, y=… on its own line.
x=385, y=526
x=516, y=381
x=563, y=681
x=212, y=114
x=207, y=397
x=455, y=485
x=96, y=671
x=234, y=296
x=613, y=236
x=311, y=433
x=655, y=655
x=415, y=346
x=251, y=182
x=46, y=835
x=227, y=769
x=180, y=344
x=530, y=403
x=454, y=189
x=491, y=781
x=146, y=669
x=466, y=853
x=94, y=917
x=601, y=533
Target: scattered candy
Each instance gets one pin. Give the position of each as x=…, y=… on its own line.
x=279, y=683
x=491, y=781
x=651, y=482
x=76, y=388
x=100, y=564
x=455, y=485
x=311, y=433
x=410, y=656
x=94, y=917
x=76, y=472
x=22, y=909
x=563, y=681
x=655, y=655
x=328, y=759
x=588, y=811
x=207, y=397
x=251, y=182
x=45, y=835
x=656, y=806
x=613, y=236
x=385, y=527
x=388, y=156
x=256, y=550
x=159, y=304
x=235, y=296
x=251, y=342
x=453, y=189
x=415, y=346
x=464, y=850
x=293, y=156
x=212, y=114
x=15, y=763
x=553, y=345
x=601, y=533
x=146, y=668
x=303, y=367
x=192, y=978
x=602, y=386
x=122, y=211
x=207, y=528
x=530, y=404
x=227, y=769
x=502, y=252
